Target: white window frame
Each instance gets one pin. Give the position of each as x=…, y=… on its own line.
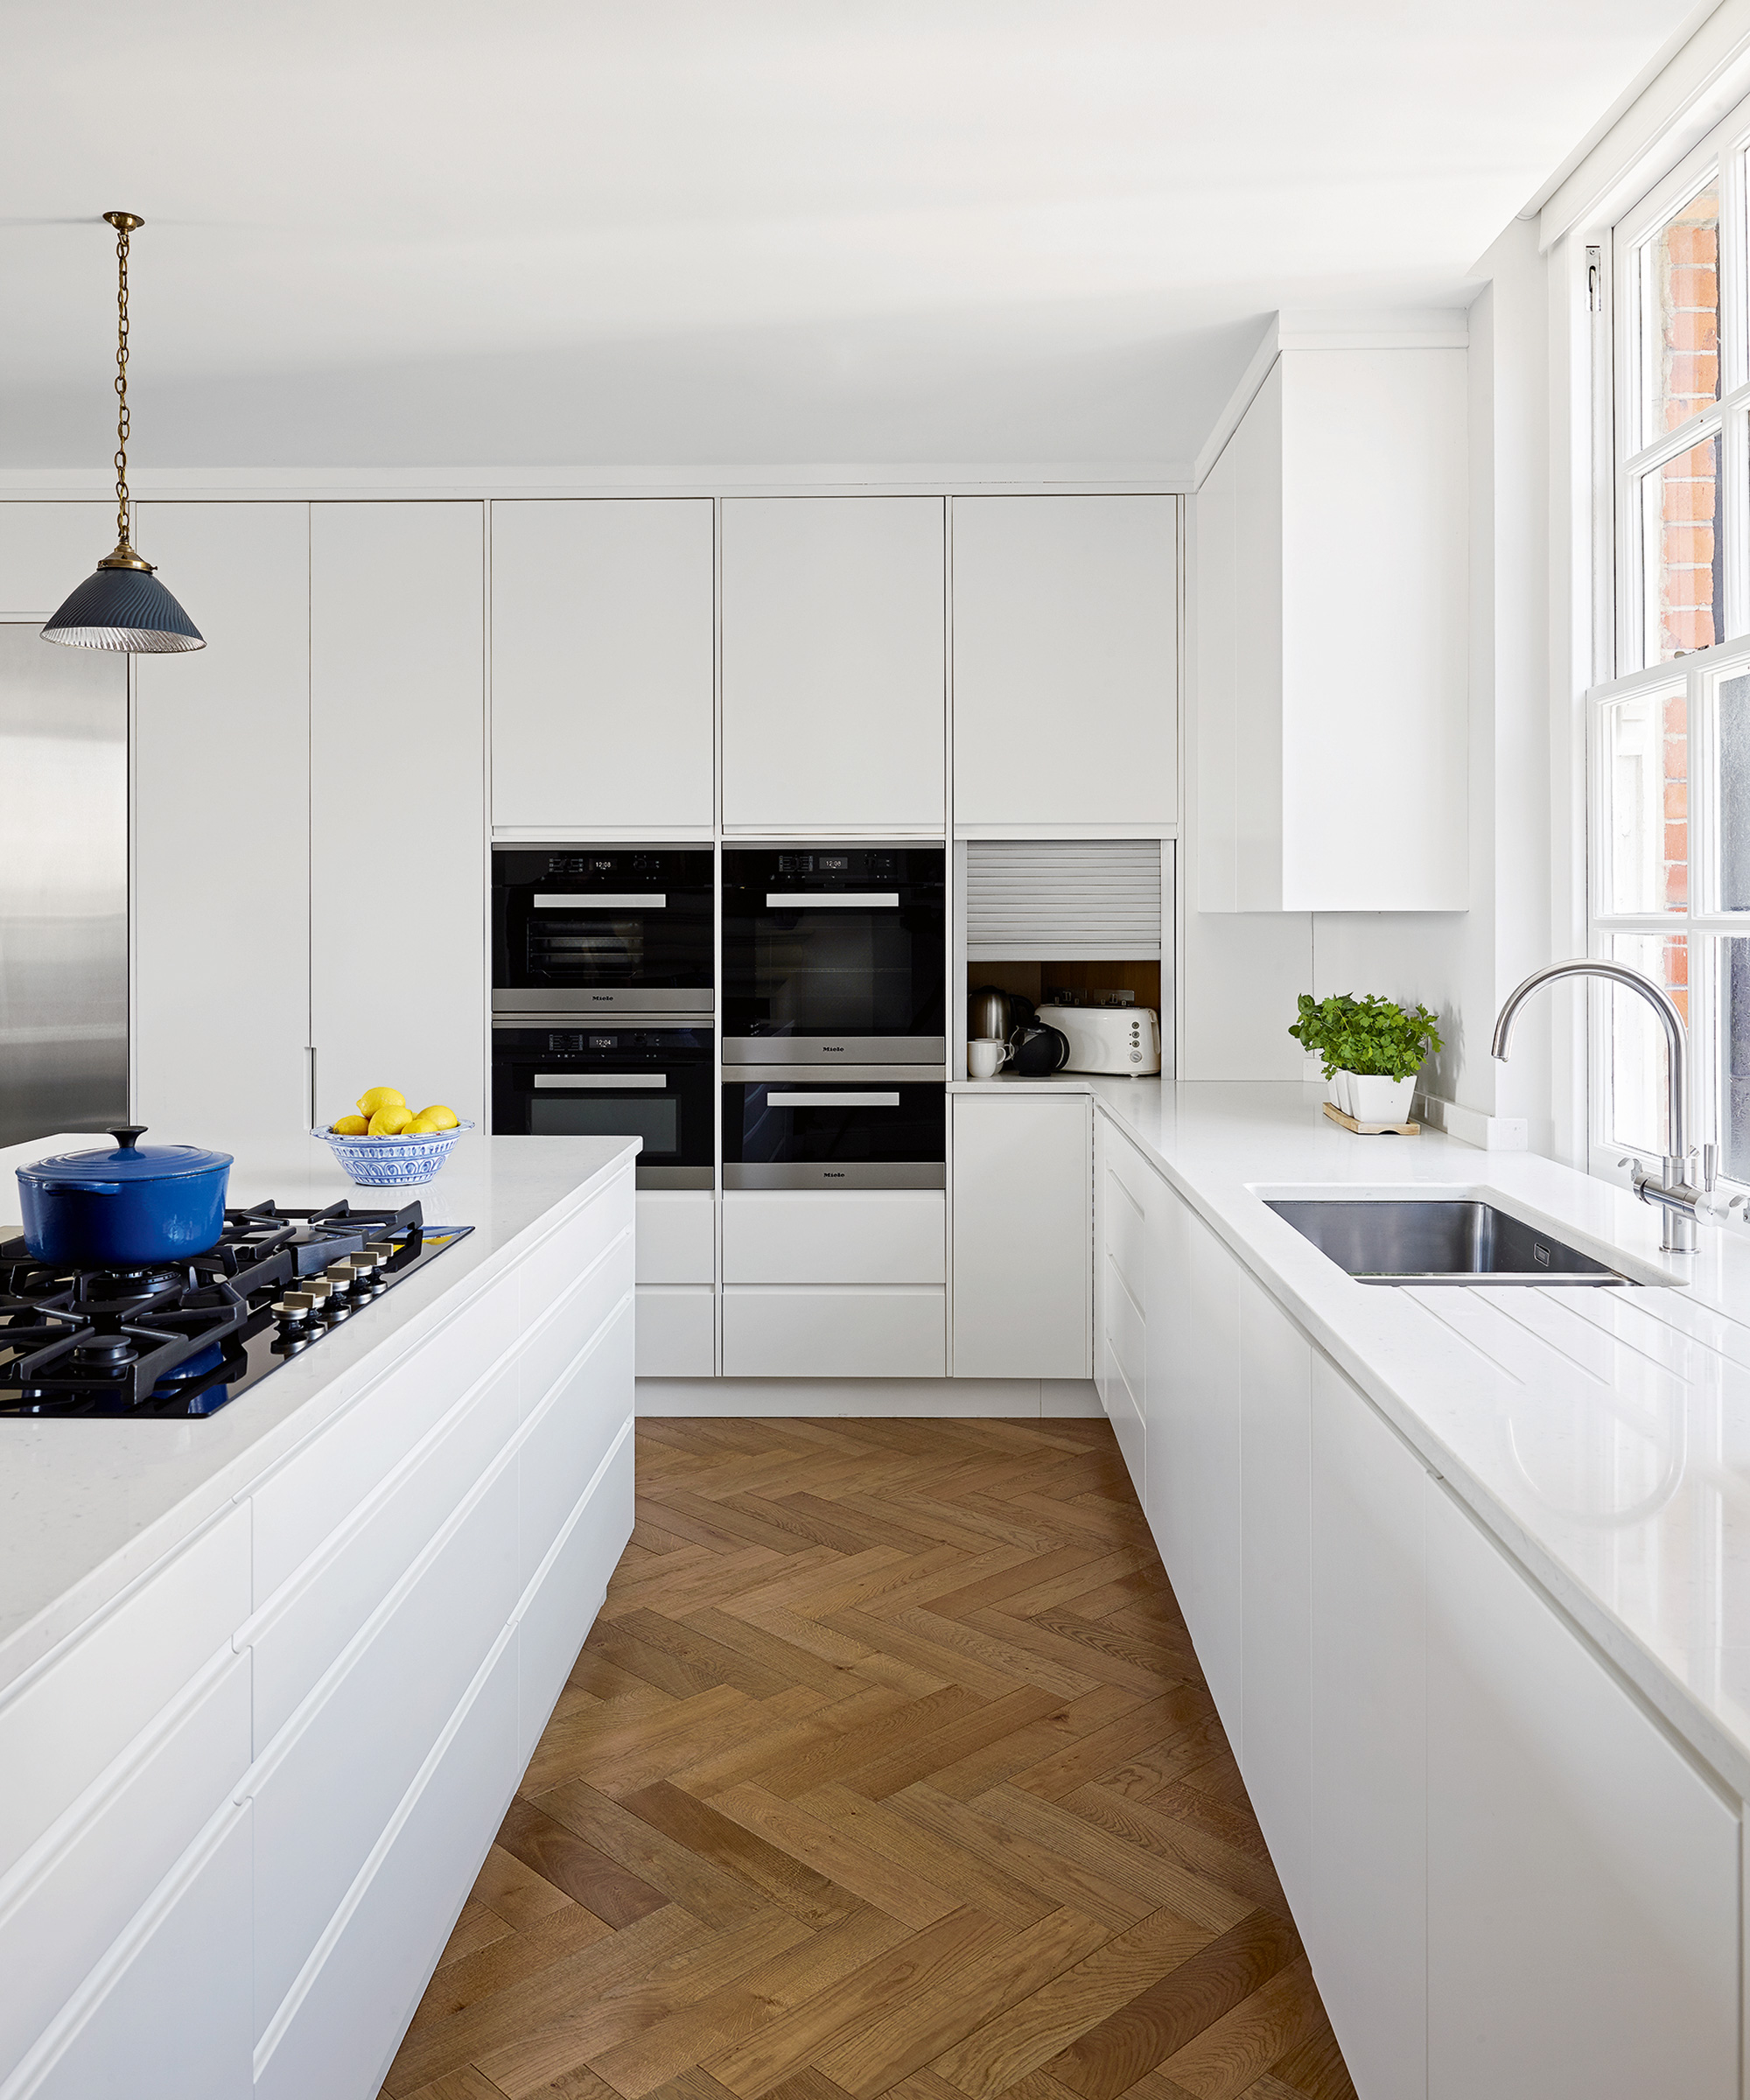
x=1620, y=624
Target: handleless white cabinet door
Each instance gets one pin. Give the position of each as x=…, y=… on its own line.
x=222, y=783
x=1023, y=1230
x=1582, y=1874
x=397, y=863
x=833, y=663
x=1276, y=1381
x=47, y=549
x=1066, y=653
x=1365, y=1924
x=1192, y=1439
x=602, y=664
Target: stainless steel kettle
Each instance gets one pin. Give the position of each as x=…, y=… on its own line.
x=987, y=1014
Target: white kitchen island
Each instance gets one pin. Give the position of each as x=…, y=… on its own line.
x=1468, y=1571
x=269, y=1679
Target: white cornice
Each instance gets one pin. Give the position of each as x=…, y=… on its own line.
x=1411, y=328
x=328, y=483
x=1698, y=83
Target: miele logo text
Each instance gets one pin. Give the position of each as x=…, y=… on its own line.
x=829, y=1176
x=833, y=1049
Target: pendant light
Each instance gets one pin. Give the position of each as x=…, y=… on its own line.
x=123, y=606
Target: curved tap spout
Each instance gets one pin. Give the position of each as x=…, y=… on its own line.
x=1679, y=1230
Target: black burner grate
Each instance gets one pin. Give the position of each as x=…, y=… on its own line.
x=184, y=1338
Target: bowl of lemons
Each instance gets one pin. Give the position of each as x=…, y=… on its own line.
x=386, y=1144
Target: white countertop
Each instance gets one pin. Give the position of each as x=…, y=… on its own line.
x=1602, y=1435
x=88, y=1505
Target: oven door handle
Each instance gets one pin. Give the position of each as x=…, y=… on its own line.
x=847, y=900
x=598, y=901
x=832, y=1101
x=602, y=1080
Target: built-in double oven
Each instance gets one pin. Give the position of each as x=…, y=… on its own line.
x=604, y=997
x=834, y=1017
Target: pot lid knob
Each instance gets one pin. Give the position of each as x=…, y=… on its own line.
x=128, y=1135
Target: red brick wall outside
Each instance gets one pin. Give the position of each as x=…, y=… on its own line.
x=1684, y=259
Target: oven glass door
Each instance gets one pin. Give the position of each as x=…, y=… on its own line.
x=655, y=1084
x=834, y=954
x=825, y=1134
x=613, y=932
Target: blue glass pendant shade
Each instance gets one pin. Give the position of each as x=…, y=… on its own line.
x=124, y=609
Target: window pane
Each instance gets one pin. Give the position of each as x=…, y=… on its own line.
x=1646, y=762
x=1681, y=547
x=1732, y=702
x=1680, y=315
x=1735, y=1059
x=1635, y=1110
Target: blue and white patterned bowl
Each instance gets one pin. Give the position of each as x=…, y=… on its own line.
x=392, y=1162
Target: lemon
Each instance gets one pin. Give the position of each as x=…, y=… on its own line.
x=422, y=1126
x=373, y=1098
x=350, y=1126
x=390, y=1121
x=442, y=1118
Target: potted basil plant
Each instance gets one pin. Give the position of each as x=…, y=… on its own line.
x=1371, y=1050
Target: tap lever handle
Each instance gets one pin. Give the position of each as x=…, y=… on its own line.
x=1709, y=1166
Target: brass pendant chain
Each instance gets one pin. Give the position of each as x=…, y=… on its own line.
x=121, y=421
x=126, y=224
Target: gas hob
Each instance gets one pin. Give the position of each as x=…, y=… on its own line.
x=184, y=1338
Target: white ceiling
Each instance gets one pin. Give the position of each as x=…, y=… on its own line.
x=743, y=231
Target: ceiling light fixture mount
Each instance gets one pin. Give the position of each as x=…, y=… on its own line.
x=122, y=607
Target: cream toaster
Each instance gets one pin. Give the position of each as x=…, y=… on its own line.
x=1108, y=1038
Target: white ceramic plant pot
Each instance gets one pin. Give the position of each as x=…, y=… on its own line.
x=1379, y=1100
x=1340, y=1086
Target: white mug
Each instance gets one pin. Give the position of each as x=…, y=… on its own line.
x=986, y=1056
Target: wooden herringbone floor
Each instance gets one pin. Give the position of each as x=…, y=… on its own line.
x=887, y=1769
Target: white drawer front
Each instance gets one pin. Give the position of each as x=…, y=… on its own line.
x=559, y=1612
x=566, y=1441
x=167, y=2017
x=308, y=1621
x=64, y=1723
x=566, y=1328
x=896, y=1235
x=1126, y=1227
x=1126, y=1336
x=676, y=1332
x=326, y=1479
x=676, y=1235
x=1123, y=1407
x=1126, y=1165
x=556, y=1262
x=821, y=1334
x=329, y=1785
x=62, y=1908
x=337, y=2036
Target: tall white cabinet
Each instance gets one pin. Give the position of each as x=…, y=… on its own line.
x=603, y=663
x=1022, y=1194
x=221, y=827
x=397, y=786
x=833, y=663
x=1333, y=592
x=1065, y=662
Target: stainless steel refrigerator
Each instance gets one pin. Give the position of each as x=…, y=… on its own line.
x=63, y=888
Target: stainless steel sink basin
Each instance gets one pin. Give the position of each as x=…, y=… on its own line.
x=1389, y=1240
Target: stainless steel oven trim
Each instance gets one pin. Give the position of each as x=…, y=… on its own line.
x=687, y=1004
x=601, y=1081
x=782, y=901
x=673, y=1177
x=890, y=1173
x=857, y=1075
x=834, y=1050
x=598, y=900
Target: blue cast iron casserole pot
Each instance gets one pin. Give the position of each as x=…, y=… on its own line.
x=125, y=1209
